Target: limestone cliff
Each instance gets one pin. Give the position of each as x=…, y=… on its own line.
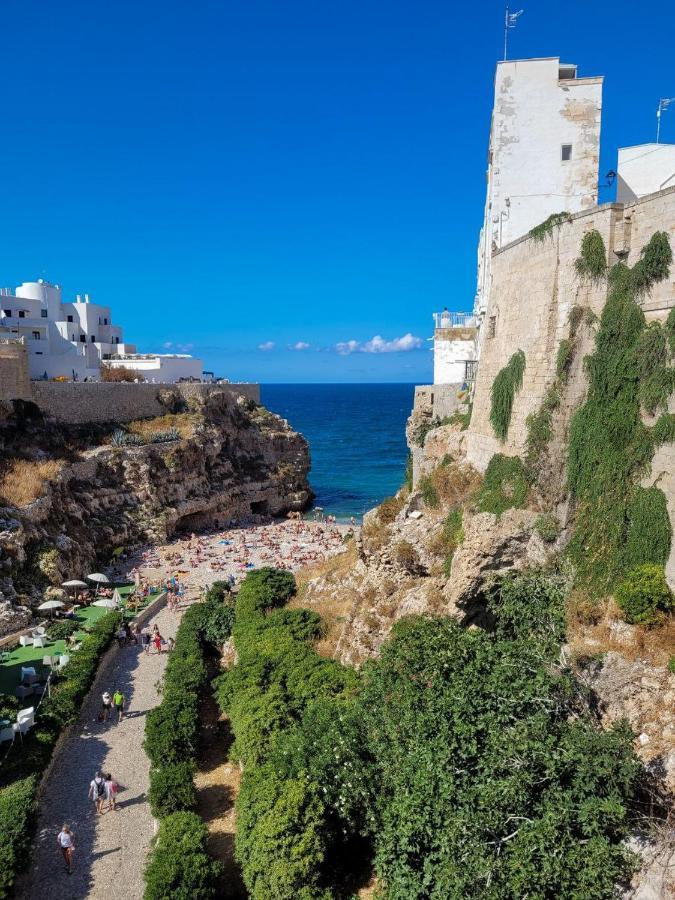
x=236, y=460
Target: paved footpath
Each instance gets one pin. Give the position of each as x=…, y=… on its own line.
x=110, y=849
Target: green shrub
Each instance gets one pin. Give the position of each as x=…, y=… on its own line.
x=170, y=729
x=18, y=809
x=547, y=527
x=482, y=762
x=180, y=868
x=172, y=788
x=664, y=430
x=428, y=491
x=671, y=665
x=648, y=533
x=644, y=596
x=592, y=262
x=61, y=631
x=218, y=592
x=408, y=474
x=505, y=485
x=217, y=620
x=507, y=383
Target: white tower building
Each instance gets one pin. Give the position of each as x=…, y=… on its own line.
x=543, y=154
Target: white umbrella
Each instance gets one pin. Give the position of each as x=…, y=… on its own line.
x=50, y=605
x=74, y=583
x=99, y=578
x=106, y=602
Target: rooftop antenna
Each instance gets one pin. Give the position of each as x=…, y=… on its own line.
x=510, y=21
x=664, y=103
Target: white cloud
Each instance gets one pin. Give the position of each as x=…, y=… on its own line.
x=378, y=344
x=266, y=346
x=300, y=345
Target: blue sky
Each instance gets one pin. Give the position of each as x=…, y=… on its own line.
x=230, y=175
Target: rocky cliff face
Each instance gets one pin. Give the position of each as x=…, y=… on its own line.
x=240, y=461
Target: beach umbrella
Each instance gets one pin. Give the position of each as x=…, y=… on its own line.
x=99, y=578
x=106, y=602
x=50, y=605
x=74, y=583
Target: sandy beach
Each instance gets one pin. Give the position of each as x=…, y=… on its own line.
x=197, y=560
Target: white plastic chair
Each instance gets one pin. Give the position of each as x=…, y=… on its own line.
x=64, y=660
x=5, y=656
x=26, y=640
x=25, y=719
x=39, y=641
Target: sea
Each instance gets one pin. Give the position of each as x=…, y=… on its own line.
x=356, y=435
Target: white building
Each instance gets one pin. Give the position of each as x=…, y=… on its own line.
x=543, y=154
x=644, y=169
x=454, y=348
x=71, y=340
x=543, y=158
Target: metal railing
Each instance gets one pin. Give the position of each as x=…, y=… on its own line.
x=448, y=319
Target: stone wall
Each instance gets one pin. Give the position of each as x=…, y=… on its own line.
x=80, y=402
x=533, y=291
x=14, y=377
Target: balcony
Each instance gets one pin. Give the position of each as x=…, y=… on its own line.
x=447, y=319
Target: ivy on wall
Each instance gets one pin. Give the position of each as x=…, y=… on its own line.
x=507, y=383
x=591, y=263
x=610, y=447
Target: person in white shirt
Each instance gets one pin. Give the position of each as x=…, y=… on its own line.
x=65, y=840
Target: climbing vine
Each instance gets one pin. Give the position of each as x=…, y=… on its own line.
x=591, y=264
x=545, y=229
x=507, y=383
x=610, y=447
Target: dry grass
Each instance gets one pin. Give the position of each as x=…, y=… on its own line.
x=331, y=599
x=184, y=423
x=590, y=632
x=23, y=480
x=390, y=508
x=455, y=484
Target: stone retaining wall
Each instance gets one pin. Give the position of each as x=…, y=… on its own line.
x=79, y=402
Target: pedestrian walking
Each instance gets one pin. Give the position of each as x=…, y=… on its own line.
x=106, y=706
x=111, y=790
x=97, y=791
x=136, y=634
x=145, y=640
x=121, y=635
x=157, y=640
x=118, y=703
x=65, y=840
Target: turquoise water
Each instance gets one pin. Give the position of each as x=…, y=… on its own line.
x=356, y=435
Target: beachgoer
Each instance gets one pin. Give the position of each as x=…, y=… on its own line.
x=111, y=789
x=65, y=840
x=97, y=791
x=136, y=634
x=118, y=703
x=145, y=640
x=121, y=635
x=157, y=640
x=106, y=705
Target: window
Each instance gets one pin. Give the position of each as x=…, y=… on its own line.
x=73, y=338
x=22, y=313
x=7, y=313
x=566, y=152
x=36, y=335
x=117, y=340
x=105, y=321
x=43, y=313
x=93, y=338
x=492, y=326
x=70, y=318
x=82, y=339
x=38, y=352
